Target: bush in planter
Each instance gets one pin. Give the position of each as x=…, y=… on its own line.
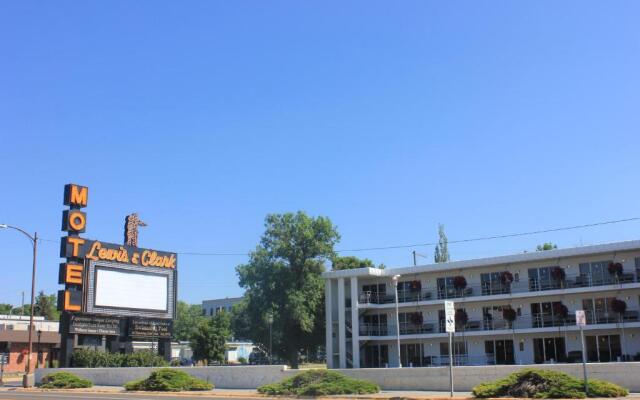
x=615, y=269
x=459, y=282
x=506, y=278
x=618, y=306
x=560, y=311
x=509, y=314
x=64, y=380
x=541, y=383
x=319, y=383
x=169, y=380
x=461, y=317
x=558, y=273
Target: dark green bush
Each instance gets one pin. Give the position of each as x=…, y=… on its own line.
x=319, y=383
x=64, y=380
x=169, y=380
x=540, y=383
x=83, y=358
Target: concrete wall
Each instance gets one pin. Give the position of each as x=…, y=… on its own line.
x=465, y=378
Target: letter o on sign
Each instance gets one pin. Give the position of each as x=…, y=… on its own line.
x=77, y=220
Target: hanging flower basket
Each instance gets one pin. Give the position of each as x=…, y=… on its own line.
x=618, y=306
x=506, y=277
x=459, y=282
x=509, y=314
x=415, y=286
x=560, y=311
x=558, y=273
x=615, y=269
x=416, y=318
x=461, y=317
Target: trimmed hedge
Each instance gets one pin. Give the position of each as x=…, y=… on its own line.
x=83, y=358
x=64, y=380
x=319, y=383
x=540, y=383
x=169, y=380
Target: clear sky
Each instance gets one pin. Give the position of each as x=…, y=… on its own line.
x=387, y=117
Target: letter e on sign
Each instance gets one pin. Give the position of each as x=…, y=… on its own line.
x=73, y=274
x=76, y=195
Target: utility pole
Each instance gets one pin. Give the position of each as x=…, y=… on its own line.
x=34, y=241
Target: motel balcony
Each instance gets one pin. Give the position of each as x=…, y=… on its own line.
x=493, y=288
x=491, y=324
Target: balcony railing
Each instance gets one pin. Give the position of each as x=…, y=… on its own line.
x=489, y=323
x=497, y=288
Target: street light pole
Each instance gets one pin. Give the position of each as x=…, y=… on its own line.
x=34, y=241
x=395, y=284
x=270, y=321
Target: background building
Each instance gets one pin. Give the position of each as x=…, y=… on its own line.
x=517, y=309
x=14, y=342
x=212, y=307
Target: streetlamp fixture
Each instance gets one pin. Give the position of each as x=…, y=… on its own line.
x=34, y=242
x=270, y=322
x=395, y=284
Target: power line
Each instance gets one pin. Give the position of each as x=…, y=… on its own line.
x=405, y=246
x=566, y=228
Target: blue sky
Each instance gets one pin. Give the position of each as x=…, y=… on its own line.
x=388, y=118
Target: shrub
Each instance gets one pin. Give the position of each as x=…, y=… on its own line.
x=242, y=360
x=540, y=383
x=319, y=383
x=84, y=358
x=169, y=380
x=64, y=380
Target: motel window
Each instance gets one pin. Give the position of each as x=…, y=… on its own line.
x=499, y=352
x=603, y=348
x=491, y=283
x=547, y=350
x=594, y=274
x=541, y=279
x=637, y=269
x=459, y=352
x=376, y=288
x=599, y=310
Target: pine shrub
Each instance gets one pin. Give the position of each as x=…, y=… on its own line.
x=319, y=383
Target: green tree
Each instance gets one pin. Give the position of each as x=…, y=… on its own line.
x=240, y=321
x=283, y=278
x=209, y=338
x=187, y=317
x=46, y=306
x=442, y=250
x=546, y=246
x=6, y=308
x=351, y=262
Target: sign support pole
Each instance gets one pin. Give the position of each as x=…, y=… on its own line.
x=451, y=362
x=584, y=362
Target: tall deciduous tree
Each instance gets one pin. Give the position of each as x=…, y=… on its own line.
x=283, y=278
x=351, y=262
x=209, y=338
x=442, y=250
x=46, y=306
x=187, y=318
x=5, y=308
x=546, y=246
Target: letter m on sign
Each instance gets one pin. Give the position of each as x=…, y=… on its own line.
x=75, y=195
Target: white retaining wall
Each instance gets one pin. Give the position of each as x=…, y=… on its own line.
x=432, y=378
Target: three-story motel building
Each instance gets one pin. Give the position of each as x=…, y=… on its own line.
x=516, y=309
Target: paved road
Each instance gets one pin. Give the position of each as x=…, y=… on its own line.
x=11, y=395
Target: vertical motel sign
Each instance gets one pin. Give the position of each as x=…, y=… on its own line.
x=71, y=273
